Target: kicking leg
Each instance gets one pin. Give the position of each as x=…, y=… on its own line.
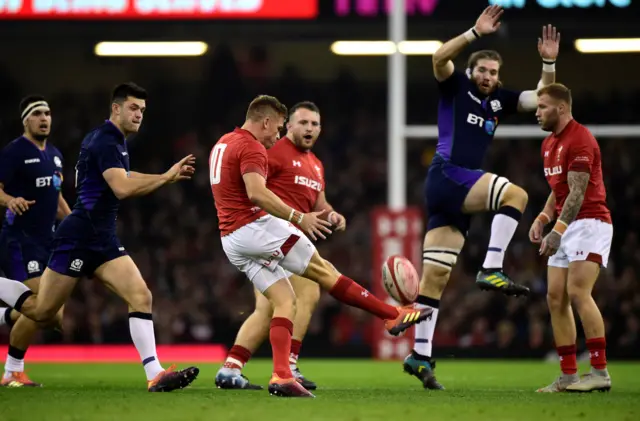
x=307, y=297
x=345, y=290
x=493, y=193
x=582, y=278
x=442, y=246
x=251, y=335
x=122, y=276
x=564, y=328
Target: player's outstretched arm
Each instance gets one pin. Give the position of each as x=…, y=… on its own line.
x=124, y=186
x=63, y=208
x=487, y=23
x=260, y=195
x=548, y=48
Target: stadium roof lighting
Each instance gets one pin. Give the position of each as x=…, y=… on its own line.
x=150, y=49
x=384, y=48
x=608, y=45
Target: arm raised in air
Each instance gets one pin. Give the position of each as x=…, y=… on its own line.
x=548, y=47
x=487, y=23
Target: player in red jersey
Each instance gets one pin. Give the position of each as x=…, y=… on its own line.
x=259, y=241
x=296, y=175
x=580, y=241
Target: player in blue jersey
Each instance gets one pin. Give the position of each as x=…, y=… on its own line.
x=85, y=244
x=472, y=104
x=30, y=184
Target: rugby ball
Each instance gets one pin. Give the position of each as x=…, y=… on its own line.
x=400, y=279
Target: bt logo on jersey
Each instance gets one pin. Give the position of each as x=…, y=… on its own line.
x=304, y=181
x=43, y=181
x=550, y=172
x=488, y=125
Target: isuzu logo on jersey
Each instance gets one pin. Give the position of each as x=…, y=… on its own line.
x=550, y=172
x=312, y=184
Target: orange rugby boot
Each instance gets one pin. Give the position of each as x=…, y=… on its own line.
x=288, y=388
x=408, y=316
x=169, y=379
x=18, y=379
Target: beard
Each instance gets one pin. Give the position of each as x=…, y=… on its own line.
x=40, y=137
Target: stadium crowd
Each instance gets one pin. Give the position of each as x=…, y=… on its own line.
x=199, y=297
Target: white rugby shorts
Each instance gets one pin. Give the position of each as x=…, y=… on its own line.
x=584, y=239
x=267, y=250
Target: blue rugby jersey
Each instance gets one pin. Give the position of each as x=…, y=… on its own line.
x=467, y=119
x=103, y=148
x=31, y=173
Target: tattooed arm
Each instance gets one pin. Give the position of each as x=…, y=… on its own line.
x=578, y=183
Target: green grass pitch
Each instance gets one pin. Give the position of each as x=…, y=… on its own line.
x=353, y=390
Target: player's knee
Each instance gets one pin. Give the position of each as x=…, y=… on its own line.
x=515, y=196
x=434, y=277
x=44, y=315
x=555, y=300
x=578, y=296
x=438, y=262
x=322, y=272
x=140, y=299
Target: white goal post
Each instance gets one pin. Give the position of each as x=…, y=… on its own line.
x=399, y=131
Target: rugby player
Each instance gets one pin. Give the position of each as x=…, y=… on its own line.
x=295, y=175
x=471, y=106
x=259, y=241
x=86, y=243
x=30, y=189
x=580, y=241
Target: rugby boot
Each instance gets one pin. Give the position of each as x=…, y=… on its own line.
x=288, y=388
x=422, y=369
x=169, y=379
x=408, y=316
x=560, y=384
x=306, y=383
x=497, y=280
x=232, y=378
x=594, y=380
x=17, y=379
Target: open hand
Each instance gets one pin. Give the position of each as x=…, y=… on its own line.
x=549, y=44
x=182, y=170
x=314, y=226
x=489, y=20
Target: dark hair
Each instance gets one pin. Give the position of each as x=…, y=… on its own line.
x=483, y=55
x=307, y=105
x=29, y=100
x=557, y=91
x=125, y=90
x=263, y=105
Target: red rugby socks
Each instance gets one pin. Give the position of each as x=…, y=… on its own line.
x=349, y=292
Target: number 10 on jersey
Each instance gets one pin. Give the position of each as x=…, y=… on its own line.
x=215, y=163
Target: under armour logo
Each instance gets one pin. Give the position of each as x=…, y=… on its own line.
x=297, y=163
x=365, y=294
x=595, y=354
x=546, y=154
x=579, y=253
